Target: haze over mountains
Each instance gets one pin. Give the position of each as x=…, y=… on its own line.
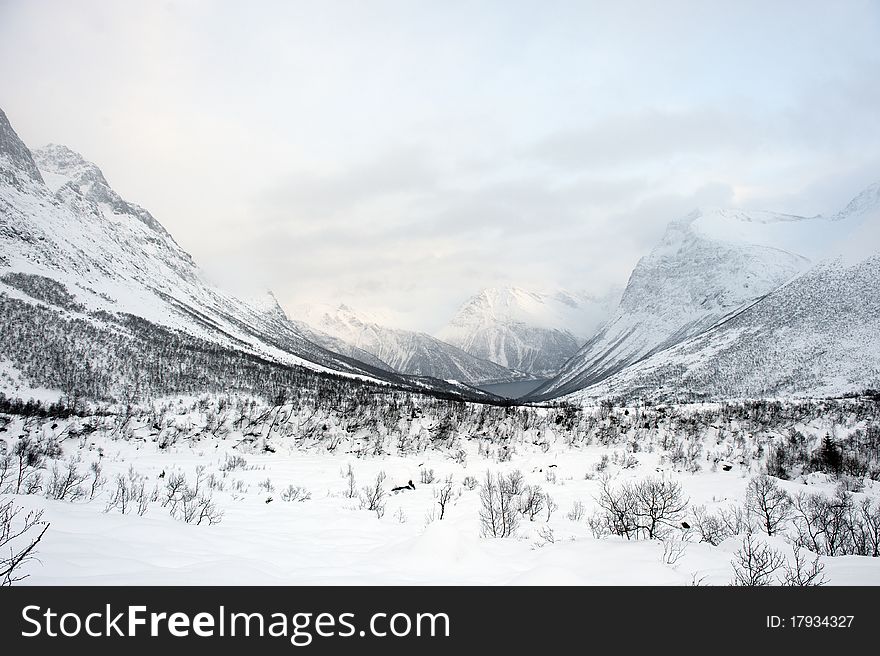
x=758, y=304
x=405, y=351
x=730, y=303
x=100, y=300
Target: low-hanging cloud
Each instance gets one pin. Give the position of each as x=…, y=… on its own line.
x=399, y=156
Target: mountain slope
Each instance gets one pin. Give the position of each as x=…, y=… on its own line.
x=732, y=263
x=405, y=351
x=534, y=332
x=707, y=266
x=819, y=335
x=77, y=259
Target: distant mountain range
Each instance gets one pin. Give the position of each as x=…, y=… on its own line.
x=98, y=301
x=531, y=331
x=405, y=351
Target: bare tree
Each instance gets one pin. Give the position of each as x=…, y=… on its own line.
x=648, y=509
x=769, y=503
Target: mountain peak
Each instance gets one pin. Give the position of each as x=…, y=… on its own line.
x=14, y=155
x=64, y=167
x=868, y=200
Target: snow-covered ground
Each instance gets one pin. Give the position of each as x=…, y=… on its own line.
x=330, y=539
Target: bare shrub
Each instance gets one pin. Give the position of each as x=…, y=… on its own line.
x=426, y=476
x=769, y=503
x=649, y=509
x=499, y=516
x=65, y=482
x=351, y=485
x=715, y=529
x=29, y=459
x=531, y=501
x=129, y=494
x=192, y=504
x=295, y=493
x=98, y=481
x=673, y=550
x=373, y=496
x=470, y=482
x=233, y=462
x=550, y=505
x=837, y=526
x=800, y=574
x=755, y=563
x=577, y=511
x=19, y=537
x=444, y=496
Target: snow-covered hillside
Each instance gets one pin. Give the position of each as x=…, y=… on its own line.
x=78, y=261
x=531, y=331
x=405, y=351
x=708, y=266
x=818, y=335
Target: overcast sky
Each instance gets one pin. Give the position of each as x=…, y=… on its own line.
x=399, y=156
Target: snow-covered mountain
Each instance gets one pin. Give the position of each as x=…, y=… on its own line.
x=818, y=335
x=531, y=331
x=82, y=269
x=730, y=268
x=404, y=351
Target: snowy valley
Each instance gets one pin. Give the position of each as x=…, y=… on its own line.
x=156, y=429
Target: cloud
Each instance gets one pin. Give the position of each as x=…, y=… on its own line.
x=399, y=156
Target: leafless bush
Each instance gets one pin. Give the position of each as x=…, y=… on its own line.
x=714, y=529
x=426, y=476
x=649, y=509
x=673, y=550
x=499, y=516
x=129, y=494
x=444, y=495
x=546, y=536
x=6, y=470
x=28, y=461
x=755, y=563
x=577, y=511
x=550, y=505
x=98, y=480
x=233, y=462
x=192, y=504
x=531, y=501
x=470, y=482
x=351, y=486
x=837, y=526
x=266, y=485
x=769, y=503
x=799, y=574
x=373, y=496
x=19, y=537
x=65, y=482
x=295, y=493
